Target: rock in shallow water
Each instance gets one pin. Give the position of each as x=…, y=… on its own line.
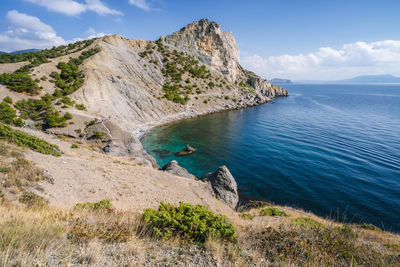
x=174, y=168
x=223, y=185
x=186, y=152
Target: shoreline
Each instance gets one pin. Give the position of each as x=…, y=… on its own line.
x=144, y=129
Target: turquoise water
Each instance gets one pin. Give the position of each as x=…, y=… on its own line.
x=330, y=149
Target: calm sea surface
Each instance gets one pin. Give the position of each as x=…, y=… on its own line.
x=330, y=149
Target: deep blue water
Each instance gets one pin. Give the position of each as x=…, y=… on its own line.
x=330, y=149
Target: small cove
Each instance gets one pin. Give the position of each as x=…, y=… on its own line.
x=330, y=149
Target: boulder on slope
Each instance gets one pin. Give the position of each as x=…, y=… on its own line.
x=223, y=185
x=174, y=168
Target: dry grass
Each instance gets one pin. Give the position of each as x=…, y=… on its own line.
x=16, y=173
x=85, y=236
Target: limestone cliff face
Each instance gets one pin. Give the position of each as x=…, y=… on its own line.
x=133, y=85
x=210, y=45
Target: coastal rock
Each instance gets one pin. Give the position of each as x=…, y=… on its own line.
x=174, y=168
x=132, y=148
x=224, y=186
x=186, y=152
x=267, y=89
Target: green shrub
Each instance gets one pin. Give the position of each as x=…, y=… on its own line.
x=8, y=100
x=370, y=227
x=246, y=216
x=53, y=119
x=31, y=200
x=7, y=113
x=307, y=222
x=189, y=222
x=92, y=122
x=19, y=122
x=25, y=140
x=272, y=212
x=19, y=82
x=99, y=135
x=74, y=146
x=67, y=116
x=80, y=106
x=102, y=205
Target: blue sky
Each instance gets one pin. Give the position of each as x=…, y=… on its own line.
x=295, y=39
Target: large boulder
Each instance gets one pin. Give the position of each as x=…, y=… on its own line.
x=131, y=148
x=174, y=168
x=224, y=186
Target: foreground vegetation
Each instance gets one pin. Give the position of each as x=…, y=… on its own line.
x=25, y=140
x=97, y=233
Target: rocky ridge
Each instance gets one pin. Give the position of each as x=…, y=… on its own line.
x=131, y=86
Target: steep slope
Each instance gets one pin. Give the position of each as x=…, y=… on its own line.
x=130, y=86
x=141, y=84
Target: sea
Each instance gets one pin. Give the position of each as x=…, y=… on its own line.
x=330, y=149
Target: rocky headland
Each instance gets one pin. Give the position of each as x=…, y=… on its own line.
x=77, y=187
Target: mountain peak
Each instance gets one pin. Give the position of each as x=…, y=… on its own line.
x=205, y=40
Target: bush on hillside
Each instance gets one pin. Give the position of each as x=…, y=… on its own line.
x=25, y=140
x=272, y=212
x=189, y=222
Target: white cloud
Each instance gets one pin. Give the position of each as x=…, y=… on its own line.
x=25, y=31
x=74, y=8
x=142, y=4
x=101, y=9
x=326, y=63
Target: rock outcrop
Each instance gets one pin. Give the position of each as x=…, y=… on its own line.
x=131, y=86
x=174, y=168
x=205, y=40
x=223, y=185
x=186, y=152
x=267, y=89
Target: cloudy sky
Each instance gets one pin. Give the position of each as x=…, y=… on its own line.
x=301, y=40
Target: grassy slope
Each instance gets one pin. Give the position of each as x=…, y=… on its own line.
x=33, y=232
x=54, y=236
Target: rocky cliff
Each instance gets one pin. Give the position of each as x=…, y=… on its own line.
x=130, y=86
x=140, y=84
x=205, y=40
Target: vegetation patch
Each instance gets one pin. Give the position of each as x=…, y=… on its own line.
x=307, y=222
x=246, y=216
x=323, y=246
x=99, y=135
x=102, y=205
x=25, y=140
x=188, y=222
x=31, y=200
x=370, y=227
x=272, y=212
x=71, y=78
x=20, y=82
x=7, y=113
x=74, y=146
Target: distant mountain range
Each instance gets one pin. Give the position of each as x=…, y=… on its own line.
x=20, y=51
x=279, y=80
x=363, y=79
x=385, y=78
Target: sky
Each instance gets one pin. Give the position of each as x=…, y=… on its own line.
x=298, y=40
